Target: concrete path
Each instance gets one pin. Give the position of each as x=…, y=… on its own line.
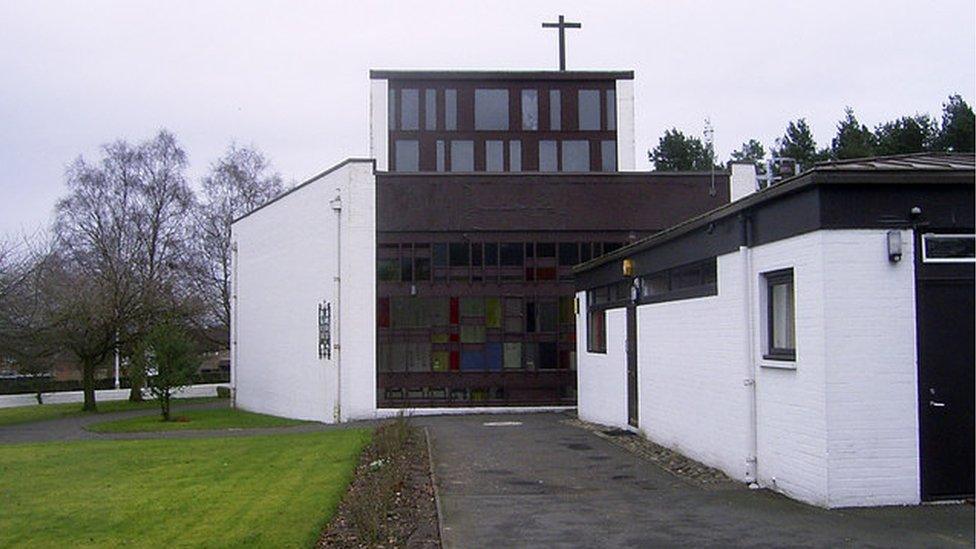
x=548, y=484
x=73, y=428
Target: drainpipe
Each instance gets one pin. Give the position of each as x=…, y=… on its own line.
x=233, y=325
x=336, y=204
x=748, y=299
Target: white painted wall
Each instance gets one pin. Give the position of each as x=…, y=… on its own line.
x=626, y=143
x=287, y=263
x=872, y=408
x=602, y=378
x=837, y=427
x=791, y=403
x=743, y=180
x=691, y=371
x=379, y=114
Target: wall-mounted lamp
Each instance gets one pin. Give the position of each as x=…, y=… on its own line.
x=894, y=246
x=628, y=268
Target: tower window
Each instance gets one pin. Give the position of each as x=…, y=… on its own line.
x=491, y=110
x=589, y=110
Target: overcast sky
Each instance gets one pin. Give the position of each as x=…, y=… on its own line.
x=291, y=77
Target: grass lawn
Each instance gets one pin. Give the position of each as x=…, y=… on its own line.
x=217, y=418
x=264, y=491
x=40, y=412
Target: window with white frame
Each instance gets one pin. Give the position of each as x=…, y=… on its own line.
x=948, y=248
x=780, y=316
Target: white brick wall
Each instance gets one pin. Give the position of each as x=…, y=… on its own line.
x=285, y=266
x=837, y=427
x=791, y=404
x=691, y=372
x=872, y=410
x=602, y=378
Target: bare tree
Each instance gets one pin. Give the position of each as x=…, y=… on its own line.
x=121, y=233
x=238, y=182
x=22, y=344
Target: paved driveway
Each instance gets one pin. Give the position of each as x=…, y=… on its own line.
x=548, y=484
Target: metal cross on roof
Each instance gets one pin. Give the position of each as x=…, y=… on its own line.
x=562, y=25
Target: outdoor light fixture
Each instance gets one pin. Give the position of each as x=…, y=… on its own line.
x=894, y=246
x=628, y=267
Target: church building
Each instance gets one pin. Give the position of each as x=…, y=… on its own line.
x=435, y=275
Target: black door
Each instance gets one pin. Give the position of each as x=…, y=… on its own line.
x=944, y=298
x=632, y=364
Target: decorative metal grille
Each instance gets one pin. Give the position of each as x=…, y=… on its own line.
x=325, y=330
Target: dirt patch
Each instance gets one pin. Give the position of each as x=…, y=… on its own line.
x=390, y=502
x=679, y=465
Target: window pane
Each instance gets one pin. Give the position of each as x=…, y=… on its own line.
x=388, y=270
x=514, y=156
x=546, y=249
x=409, y=109
x=949, y=246
x=596, y=331
x=491, y=254
x=608, y=150
x=568, y=254
x=439, y=253
x=655, y=285
x=450, y=109
x=440, y=155
x=589, y=110
x=391, y=109
x=547, y=156
x=407, y=155
x=513, y=356
x=462, y=156
x=406, y=269
x=511, y=255
x=476, y=254
x=422, y=268
x=782, y=311
x=494, y=156
x=548, y=312
x=576, y=156
x=491, y=109
x=611, y=110
x=530, y=110
x=430, y=109
x=555, y=110
x=459, y=254
x=686, y=277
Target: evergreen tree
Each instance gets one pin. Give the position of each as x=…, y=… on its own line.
x=677, y=152
x=853, y=140
x=958, y=123
x=798, y=143
x=750, y=151
x=908, y=134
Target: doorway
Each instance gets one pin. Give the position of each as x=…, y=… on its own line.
x=944, y=327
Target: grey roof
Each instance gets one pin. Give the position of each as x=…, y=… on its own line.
x=915, y=161
x=916, y=168
x=380, y=74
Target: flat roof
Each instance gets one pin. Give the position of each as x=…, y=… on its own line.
x=907, y=169
x=395, y=74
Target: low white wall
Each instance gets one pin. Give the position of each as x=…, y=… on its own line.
x=691, y=367
x=10, y=401
x=872, y=407
x=286, y=265
x=602, y=378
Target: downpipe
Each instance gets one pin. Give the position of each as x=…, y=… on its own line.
x=336, y=204
x=748, y=313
